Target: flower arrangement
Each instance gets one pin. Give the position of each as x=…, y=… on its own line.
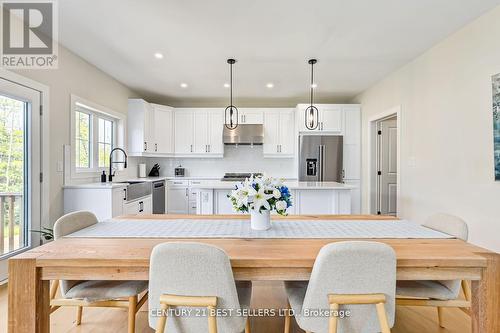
x=259, y=194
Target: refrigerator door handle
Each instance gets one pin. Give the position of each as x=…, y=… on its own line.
x=320, y=162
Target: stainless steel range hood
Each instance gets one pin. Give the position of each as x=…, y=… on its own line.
x=244, y=135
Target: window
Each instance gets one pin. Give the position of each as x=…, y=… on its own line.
x=94, y=135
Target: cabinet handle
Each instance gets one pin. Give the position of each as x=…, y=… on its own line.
x=156, y=147
x=125, y=194
x=209, y=148
x=280, y=148
x=145, y=146
x=277, y=148
x=141, y=206
x=206, y=148
x=191, y=148
x=187, y=192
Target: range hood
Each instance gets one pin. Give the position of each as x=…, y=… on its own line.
x=244, y=135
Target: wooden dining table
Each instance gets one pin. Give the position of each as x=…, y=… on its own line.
x=251, y=259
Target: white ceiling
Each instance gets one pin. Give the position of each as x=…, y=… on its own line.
x=357, y=43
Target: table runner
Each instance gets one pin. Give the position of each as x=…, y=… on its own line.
x=234, y=228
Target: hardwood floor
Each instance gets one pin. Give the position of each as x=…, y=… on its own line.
x=265, y=295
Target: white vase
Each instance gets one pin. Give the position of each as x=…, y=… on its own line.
x=260, y=221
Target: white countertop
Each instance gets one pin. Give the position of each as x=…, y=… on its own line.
x=113, y=185
x=293, y=185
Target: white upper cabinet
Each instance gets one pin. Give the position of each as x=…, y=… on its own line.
x=279, y=133
x=139, y=126
x=184, y=131
x=149, y=129
x=198, y=132
x=330, y=118
x=162, y=124
x=251, y=116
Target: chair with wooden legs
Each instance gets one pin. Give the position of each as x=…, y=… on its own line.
x=440, y=294
x=190, y=283
x=80, y=294
x=355, y=276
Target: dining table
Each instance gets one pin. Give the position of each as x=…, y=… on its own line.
x=252, y=258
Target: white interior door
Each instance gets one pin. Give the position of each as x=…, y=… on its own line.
x=20, y=147
x=387, y=166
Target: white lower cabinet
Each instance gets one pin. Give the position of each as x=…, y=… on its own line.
x=222, y=204
x=138, y=207
x=178, y=200
x=104, y=202
x=304, y=202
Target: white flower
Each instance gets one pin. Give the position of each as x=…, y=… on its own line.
x=260, y=200
x=276, y=193
x=281, y=205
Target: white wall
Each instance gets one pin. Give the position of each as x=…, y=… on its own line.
x=447, y=124
x=236, y=159
x=74, y=76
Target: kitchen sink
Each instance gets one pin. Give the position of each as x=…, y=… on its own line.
x=136, y=190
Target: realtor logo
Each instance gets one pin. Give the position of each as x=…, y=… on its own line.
x=29, y=34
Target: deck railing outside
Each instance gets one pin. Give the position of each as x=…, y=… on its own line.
x=11, y=225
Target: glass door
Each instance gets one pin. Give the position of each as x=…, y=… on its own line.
x=20, y=146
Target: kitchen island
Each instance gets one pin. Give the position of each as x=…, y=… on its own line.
x=307, y=197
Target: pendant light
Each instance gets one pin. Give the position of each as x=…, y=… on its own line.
x=231, y=112
x=312, y=113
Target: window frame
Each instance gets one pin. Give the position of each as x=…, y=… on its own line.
x=96, y=112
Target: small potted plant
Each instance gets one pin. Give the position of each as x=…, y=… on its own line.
x=259, y=196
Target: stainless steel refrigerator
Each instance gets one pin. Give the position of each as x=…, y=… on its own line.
x=321, y=158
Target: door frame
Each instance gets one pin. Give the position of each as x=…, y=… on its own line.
x=44, y=148
x=372, y=156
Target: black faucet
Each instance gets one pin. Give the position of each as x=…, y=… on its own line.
x=110, y=177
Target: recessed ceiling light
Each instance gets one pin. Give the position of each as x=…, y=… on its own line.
x=158, y=55
x=314, y=85
x=270, y=85
x=227, y=85
x=184, y=85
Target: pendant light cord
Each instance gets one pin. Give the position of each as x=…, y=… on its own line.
x=231, y=84
x=312, y=81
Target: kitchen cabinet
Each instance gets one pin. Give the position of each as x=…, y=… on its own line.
x=304, y=201
x=149, y=129
x=162, y=126
x=330, y=117
x=198, y=132
x=251, y=116
x=140, y=206
x=178, y=200
x=279, y=133
x=105, y=202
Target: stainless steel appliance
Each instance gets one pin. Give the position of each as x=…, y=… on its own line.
x=241, y=176
x=244, y=134
x=179, y=171
x=159, y=197
x=321, y=158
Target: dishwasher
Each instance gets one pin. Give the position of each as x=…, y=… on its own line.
x=159, y=197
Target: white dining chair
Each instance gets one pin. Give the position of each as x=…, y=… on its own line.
x=197, y=278
x=354, y=276
x=117, y=294
x=443, y=293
